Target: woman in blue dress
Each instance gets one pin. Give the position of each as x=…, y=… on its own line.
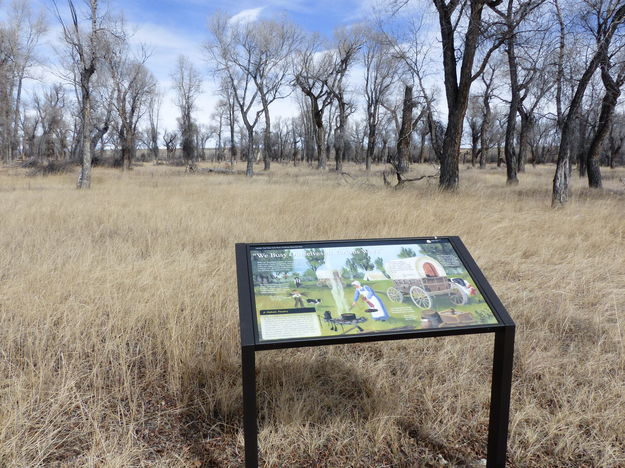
x=374, y=302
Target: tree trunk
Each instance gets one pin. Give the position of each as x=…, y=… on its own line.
x=560, y=180
x=88, y=69
x=608, y=105
x=319, y=134
x=233, y=148
x=457, y=89
x=449, y=177
x=249, y=170
x=527, y=124
x=84, y=178
x=268, y=152
x=475, y=138
x=320, y=143
x=420, y=156
x=485, y=130
x=405, y=132
x=16, y=121
x=339, y=136
x=371, y=139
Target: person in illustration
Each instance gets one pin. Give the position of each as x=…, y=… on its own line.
x=298, y=282
x=297, y=297
x=373, y=302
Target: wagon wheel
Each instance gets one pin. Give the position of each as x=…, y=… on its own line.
x=394, y=294
x=457, y=296
x=420, y=297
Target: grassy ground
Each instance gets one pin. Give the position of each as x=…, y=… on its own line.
x=119, y=334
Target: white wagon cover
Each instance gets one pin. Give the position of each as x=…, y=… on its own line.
x=414, y=268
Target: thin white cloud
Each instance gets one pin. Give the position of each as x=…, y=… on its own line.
x=246, y=16
x=162, y=38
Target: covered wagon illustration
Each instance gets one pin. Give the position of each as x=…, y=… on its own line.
x=423, y=277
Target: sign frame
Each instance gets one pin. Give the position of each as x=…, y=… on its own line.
x=503, y=351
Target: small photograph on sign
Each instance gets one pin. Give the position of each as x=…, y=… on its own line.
x=348, y=290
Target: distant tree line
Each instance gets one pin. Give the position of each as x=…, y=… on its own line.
x=519, y=81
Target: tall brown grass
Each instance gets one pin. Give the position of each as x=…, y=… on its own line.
x=119, y=323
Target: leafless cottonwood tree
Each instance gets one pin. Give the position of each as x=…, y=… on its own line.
x=230, y=108
x=612, y=69
x=535, y=78
x=463, y=27
x=188, y=85
x=86, y=56
x=488, y=90
x=475, y=115
x=314, y=71
x=412, y=52
x=5, y=95
x=219, y=117
x=49, y=108
x=84, y=51
x=19, y=39
x=513, y=16
x=102, y=97
x=348, y=43
x=604, y=19
x=170, y=140
x=154, y=104
x=255, y=57
x=273, y=43
x=133, y=86
x=240, y=83
x=380, y=77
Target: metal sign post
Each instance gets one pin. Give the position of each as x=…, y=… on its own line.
x=427, y=280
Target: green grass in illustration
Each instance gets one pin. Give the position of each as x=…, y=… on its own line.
x=403, y=316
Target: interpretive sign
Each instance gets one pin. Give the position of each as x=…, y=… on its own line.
x=329, y=290
x=321, y=293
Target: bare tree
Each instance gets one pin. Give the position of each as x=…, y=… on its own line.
x=219, y=117
x=86, y=55
x=256, y=55
x=203, y=134
x=475, y=115
x=380, y=77
x=348, y=43
x=460, y=39
x=49, y=116
x=489, y=87
x=230, y=107
x=465, y=27
x=170, y=139
x=513, y=16
x=604, y=19
x=133, y=86
x=404, y=136
x=227, y=53
x=21, y=37
x=153, y=112
x=616, y=139
x=188, y=85
x=314, y=70
x=612, y=69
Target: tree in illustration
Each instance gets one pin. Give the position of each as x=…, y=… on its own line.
x=360, y=261
x=406, y=252
x=315, y=258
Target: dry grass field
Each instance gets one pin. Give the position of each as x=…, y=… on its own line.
x=119, y=323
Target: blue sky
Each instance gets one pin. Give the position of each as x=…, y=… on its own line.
x=190, y=15
x=174, y=27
